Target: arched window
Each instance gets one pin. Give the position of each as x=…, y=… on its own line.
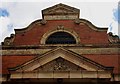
x=60, y=38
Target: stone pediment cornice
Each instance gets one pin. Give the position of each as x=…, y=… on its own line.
x=65, y=54
x=63, y=63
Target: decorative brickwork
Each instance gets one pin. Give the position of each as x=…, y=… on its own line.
x=113, y=38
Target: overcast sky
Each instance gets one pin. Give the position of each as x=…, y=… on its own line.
x=16, y=15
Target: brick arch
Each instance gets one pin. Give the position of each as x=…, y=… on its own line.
x=71, y=32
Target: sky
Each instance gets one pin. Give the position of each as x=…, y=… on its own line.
x=19, y=14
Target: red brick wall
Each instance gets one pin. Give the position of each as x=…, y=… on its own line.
x=106, y=60
x=86, y=34
x=13, y=61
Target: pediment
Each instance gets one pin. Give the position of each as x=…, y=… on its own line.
x=59, y=64
x=70, y=58
x=60, y=11
x=60, y=8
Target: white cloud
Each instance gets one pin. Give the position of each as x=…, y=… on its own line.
x=115, y=28
x=4, y=22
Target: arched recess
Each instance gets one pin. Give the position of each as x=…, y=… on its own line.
x=69, y=31
x=60, y=38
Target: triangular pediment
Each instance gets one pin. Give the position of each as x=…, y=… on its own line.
x=60, y=11
x=60, y=8
x=59, y=64
x=67, y=56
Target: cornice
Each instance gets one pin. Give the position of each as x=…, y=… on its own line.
x=92, y=26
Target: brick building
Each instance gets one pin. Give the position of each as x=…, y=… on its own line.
x=61, y=48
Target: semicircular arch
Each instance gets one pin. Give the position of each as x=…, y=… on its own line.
x=69, y=31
